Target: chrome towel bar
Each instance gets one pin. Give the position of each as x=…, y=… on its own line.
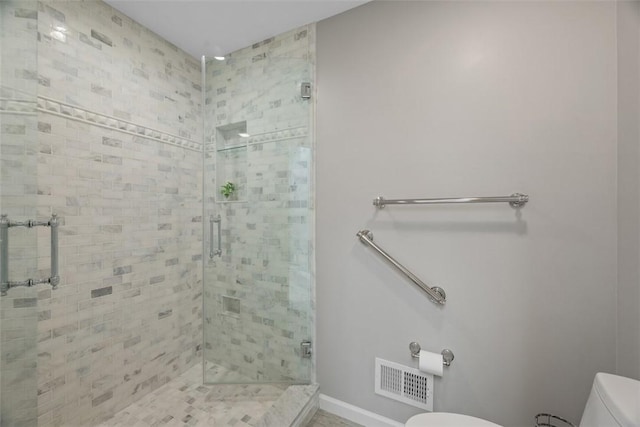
x=516, y=200
x=436, y=294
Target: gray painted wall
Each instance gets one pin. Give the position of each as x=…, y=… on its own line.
x=437, y=99
x=628, y=30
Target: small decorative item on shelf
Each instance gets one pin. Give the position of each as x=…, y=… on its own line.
x=228, y=189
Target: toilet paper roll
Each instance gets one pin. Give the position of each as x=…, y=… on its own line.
x=430, y=363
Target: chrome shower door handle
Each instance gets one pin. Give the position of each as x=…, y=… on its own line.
x=54, y=280
x=4, y=254
x=215, y=252
x=5, y=224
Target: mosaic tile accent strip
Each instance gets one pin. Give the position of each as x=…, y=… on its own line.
x=274, y=136
x=59, y=108
x=17, y=106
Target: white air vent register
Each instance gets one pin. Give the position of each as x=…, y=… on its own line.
x=405, y=384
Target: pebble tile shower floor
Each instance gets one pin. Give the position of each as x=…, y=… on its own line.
x=185, y=401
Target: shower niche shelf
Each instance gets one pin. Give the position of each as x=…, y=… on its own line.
x=231, y=152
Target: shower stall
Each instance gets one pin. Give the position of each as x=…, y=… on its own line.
x=182, y=191
x=258, y=131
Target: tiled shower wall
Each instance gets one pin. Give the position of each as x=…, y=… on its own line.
x=258, y=294
x=18, y=135
x=119, y=159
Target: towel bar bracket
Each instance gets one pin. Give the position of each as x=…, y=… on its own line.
x=438, y=290
x=522, y=199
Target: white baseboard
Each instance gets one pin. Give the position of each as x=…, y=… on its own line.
x=355, y=414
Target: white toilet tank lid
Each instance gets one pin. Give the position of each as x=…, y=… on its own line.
x=446, y=419
x=621, y=396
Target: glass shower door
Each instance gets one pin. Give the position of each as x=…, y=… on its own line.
x=18, y=192
x=258, y=206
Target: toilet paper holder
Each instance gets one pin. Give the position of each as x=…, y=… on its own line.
x=447, y=355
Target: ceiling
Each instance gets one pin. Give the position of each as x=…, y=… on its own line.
x=217, y=27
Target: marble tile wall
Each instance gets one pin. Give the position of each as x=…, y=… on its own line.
x=127, y=315
x=119, y=160
x=18, y=192
x=259, y=294
x=115, y=145
x=18, y=62
x=93, y=56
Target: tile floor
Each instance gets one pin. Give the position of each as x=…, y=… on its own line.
x=186, y=402
x=326, y=419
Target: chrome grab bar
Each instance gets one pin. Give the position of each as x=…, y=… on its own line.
x=436, y=294
x=218, y=252
x=516, y=200
x=5, y=224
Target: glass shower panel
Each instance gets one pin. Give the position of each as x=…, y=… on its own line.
x=258, y=177
x=18, y=192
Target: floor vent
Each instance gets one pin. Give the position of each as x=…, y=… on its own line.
x=405, y=384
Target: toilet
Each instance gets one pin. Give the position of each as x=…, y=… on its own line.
x=446, y=419
x=614, y=402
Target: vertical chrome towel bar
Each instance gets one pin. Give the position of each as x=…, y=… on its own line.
x=5, y=224
x=436, y=294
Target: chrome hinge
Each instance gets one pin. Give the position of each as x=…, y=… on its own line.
x=306, y=349
x=305, y=90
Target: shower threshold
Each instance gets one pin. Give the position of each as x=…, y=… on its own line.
x=185, y=401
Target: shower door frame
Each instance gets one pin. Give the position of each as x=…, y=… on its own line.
x=301, y=144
